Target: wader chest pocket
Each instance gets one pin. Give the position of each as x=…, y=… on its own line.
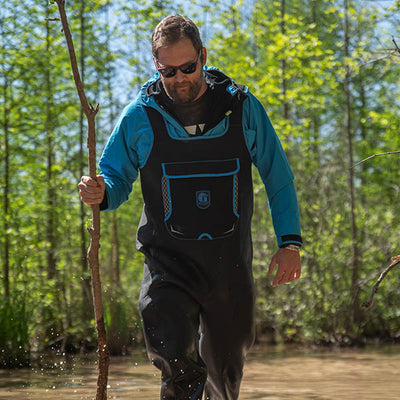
x=200, y=198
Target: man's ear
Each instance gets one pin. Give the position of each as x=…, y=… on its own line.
x=203, y=56
x=155, y=62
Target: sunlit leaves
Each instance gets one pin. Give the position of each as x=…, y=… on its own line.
x=294, y=63
x=293, y=59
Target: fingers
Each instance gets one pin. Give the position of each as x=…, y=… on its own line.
x=292, y=276
x=279, y=278
x=296, y=275
x=289, y=266
x=88, y=181
x=286, y=275
x=272, y=265
x=91, y=191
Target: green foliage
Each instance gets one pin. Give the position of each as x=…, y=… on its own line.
x=14, y=332
x=293, y=59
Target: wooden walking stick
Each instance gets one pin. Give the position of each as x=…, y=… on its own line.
x=93, y=251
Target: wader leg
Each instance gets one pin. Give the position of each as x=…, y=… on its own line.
x=226, y=335
x=171, y=323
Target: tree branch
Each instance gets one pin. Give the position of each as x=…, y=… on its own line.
x=93, y=252
x=376, y=155
x=395, y=261
x=395, y=44
x=393, y=51
x=381, y=58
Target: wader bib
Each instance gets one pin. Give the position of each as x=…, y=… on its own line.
x=197, y=291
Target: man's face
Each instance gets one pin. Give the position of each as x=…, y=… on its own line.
x=182, y=88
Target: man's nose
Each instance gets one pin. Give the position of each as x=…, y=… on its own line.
x=180, y=76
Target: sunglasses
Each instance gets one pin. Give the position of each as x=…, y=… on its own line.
x=188, y=68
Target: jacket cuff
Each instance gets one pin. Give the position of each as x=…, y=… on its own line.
x=290, y=239
x=104, y=203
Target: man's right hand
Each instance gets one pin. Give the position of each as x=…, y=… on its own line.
x=92, y=192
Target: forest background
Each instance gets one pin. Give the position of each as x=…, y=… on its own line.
x=327, y=73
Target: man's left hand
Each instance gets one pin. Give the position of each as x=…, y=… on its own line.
x=289, y=266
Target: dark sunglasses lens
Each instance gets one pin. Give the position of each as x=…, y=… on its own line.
x=168, y=72
x=189, y=69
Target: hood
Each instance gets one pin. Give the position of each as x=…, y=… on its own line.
x=228, y=93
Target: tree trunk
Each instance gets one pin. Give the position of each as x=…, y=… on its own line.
x=285, y=105
x=363, y=128
x=117, y=338
x=355, y=303
x=51, y=193
x=6, y=201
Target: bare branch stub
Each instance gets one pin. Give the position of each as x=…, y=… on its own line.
x=397, y=47
x=94, y=110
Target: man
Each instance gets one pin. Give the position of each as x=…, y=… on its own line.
x=193, y=134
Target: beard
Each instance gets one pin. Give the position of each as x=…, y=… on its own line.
x=183, y=92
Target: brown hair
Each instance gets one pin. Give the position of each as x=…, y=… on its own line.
x=172, y=29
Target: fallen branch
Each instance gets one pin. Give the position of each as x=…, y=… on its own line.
x=395, y=261
x=93, y=252
x=376, y=155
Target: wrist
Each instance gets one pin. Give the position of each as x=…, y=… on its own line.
x=292, y=247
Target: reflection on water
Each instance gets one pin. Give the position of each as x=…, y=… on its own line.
x=270, y=373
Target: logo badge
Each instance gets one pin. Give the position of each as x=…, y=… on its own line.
x=231, y=89
x=203, y=199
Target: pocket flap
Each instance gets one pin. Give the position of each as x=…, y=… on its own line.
x=201, y=168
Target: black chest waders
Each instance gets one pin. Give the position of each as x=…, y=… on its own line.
x=197, y=295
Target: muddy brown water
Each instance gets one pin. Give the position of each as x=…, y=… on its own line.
x=270, y=374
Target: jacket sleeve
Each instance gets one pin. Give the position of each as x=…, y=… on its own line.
x=269, y=157
x=125, y=152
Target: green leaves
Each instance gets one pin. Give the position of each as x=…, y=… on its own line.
x=293, y=61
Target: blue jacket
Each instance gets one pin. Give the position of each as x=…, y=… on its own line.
x=131, y=142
